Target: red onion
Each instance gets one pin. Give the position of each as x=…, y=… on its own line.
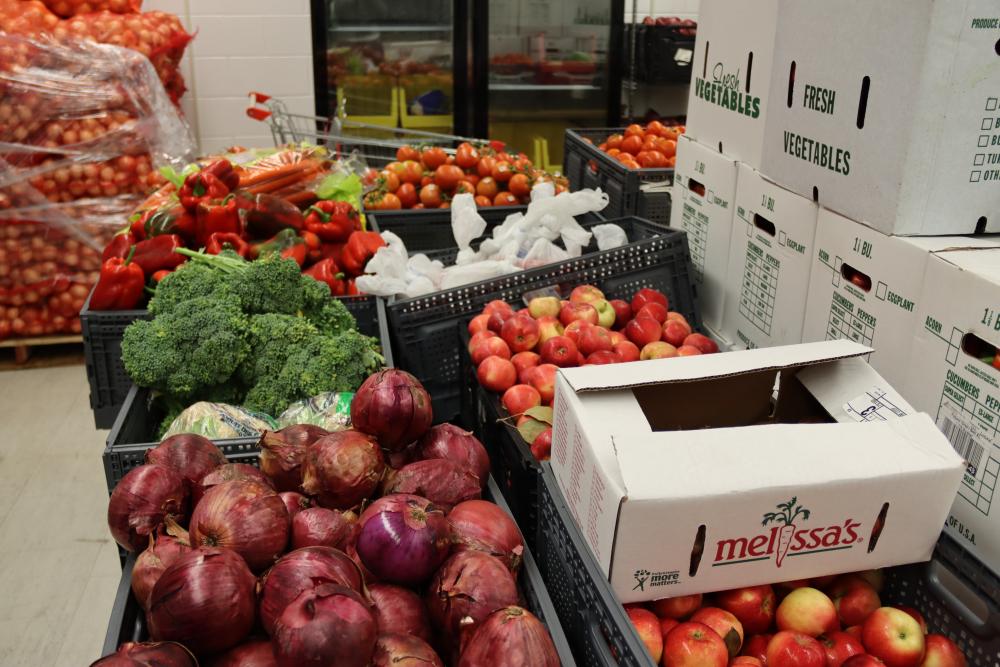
x=510, y=637
x=151, y=654
x=479, y=525
x=244, y=516
x=294, y=502
x=393, y=406
x=282, y=452
x=193, y=456
x=254, y=653
x=408, y=454
x=231, y=472
x=163, y=550
x=399, y=610
x=319, y=526
x=301, y=570
x=403, y=539
x=205, y=600
x=470, y=584
x=442, y=482
x=329, y=625
x=143, y=499
x=342, y=469
x=395, y=650
x=447, y=441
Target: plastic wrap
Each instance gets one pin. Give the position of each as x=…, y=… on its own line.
x=218, y=421
x=331, y=411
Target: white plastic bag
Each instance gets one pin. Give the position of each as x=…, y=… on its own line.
x=466, y=223
x=609, y=236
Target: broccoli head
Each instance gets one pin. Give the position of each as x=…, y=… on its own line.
x=272, y=338
x=189, y=281
x=198, y=344
x=271, y=285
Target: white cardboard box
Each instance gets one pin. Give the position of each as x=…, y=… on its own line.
x=704, y=187
x=685, y=478
x=770, y=257
x=731, y=76
x=889, y=112
x=949, y=380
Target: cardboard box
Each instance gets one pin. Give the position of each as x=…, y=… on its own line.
x=731, y=76
x=958, y=326
x=704, y=186
x=686, y=478
x=889, y=114
x=770, y=257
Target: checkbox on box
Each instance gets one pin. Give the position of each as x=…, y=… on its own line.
x=979, y=159
x=987, y=124
x=781, y=238
x=991, y=103
x=974, y=176
x=880, y=291
x=984, y=140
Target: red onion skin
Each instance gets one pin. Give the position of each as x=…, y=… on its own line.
x=394, y=407
x=442, y=482
x=294, y=503
x=470, y=584
x=403, y=539
x=510, y=637
x=479, y=525
x=329, y=625
x=319, y=526
x=408, y=454
x=447, y=441
x=282, y=453
x=142, y=501
x=149, y=654
x=231, y=472
x=205, y=600
x=253, y=653
x=342, y=469
x=396, y=650
x=302, y=570
x=244, y=516
x=399, y=611
x=161, y=553
x=193, y=456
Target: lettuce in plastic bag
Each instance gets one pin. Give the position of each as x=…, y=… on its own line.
x=331, y=411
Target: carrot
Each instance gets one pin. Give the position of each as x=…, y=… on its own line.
x=256, y=177
x=784, y=542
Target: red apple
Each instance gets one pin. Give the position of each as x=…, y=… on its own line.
x=549, y=327
x=917, y=616
x=480, y=336
x=942, y=652
x=725, y=624
x=854, y=599
x=839, y=646
x=647, y=625
x=543, y=379
x=602, y=357
x=657, y=350
x=574, y=330
x=745, y=661
x=559, y=350
x=894, y=637
x=688, y=351
x=489, y=347
x=585, y=294
x=523, y=361
x=702, y=342
x=627, y=350
x=478, y=323
x=694, y=645
x=753, y=605
x=655, y=310
x=647, y=295
x=674, y=315
x=498, y=306
x=783, y=588
x=679, y=607
x=668, y=624
x=580, y=359
x=578, y=311
x=854, y=631
x=605, y=313
x=863, y=660
x=520, y=333
x=544, y=306
x=756, y=646
x=873, y=577
x=642, y=331
x=616, y=337
x=594, y=339
x=496, y=374
x=496, y=320
x=623, y=312
x=794, y=649
x=541, y=446
x=808, y=611
x=675, y=331
x=520, y=397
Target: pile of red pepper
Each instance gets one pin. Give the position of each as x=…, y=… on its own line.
x=211, y=210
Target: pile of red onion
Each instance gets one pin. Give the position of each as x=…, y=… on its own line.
x=327, y=554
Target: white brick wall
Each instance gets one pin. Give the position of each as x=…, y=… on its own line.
x=240, y=46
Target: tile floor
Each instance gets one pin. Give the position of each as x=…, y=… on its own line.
x=59, y=567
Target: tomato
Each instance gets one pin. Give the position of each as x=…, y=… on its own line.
x=631, y=144
x=410, y=172
x=391, y=180
x=430, y=196
x=418, y=205
x=667, y=146
x=522, y=164
x=657, y=160
x=519, y=185
x=634, y=130
x=472, y=178
x=670, y=133
x=433, y=157
x=407, y=194
x=426, y=179
x=464, y=187
x=655, y=127
x=671, y=161
x=466, y=155
x=649, y=143
x=603, y=147
x=387, y=202
x=505, y=199
x=502, y=171
x=447, y=177
x=613, y=152
x=445, y=204
x=614, y=141
x=404, y=153
x=487, y=187
x=642, y=157
x=504, y=156
x=485, y=166
x=483, y=201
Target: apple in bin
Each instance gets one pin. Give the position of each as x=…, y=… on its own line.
x=498, y=306
x=560, y=351
x=942, y=652
x=605, y=313
x=578, y=311
x=544, y=306
x=688, y=351
x=854, y=599
x=647, y=626
x=642, y=331
x=794, y=649
x=655, y=310
x=754, y=606
x=523, y=361
x=519, y=398
x=657, y=350
x=674, y=315
x=496, y=320
x=873, y=577
x=808, y=611
x=839, y=646
x=488, y=348
x=894, y=637
x=693, y=644
x=725, y=625
x=616, y=337
x=705, y=344
x=478, y=337
x=574, y=329
x=648, y=295
x=549, y=327
x=675, y=331
x=915, y=614
x=627, y=350
x=746, y=661
x=520, y=333
x=602, y=357
x=679, y=607
x=863, y=660
x=668, y=624
x=594, y=339
x=585, y=294
x=756, y=646
x=478, y=323
x=623, y=312
x=541, y=446
x=543, y=379
x=496, y=374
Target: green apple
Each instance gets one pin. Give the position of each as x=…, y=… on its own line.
x=544, y=306
x=605, y=313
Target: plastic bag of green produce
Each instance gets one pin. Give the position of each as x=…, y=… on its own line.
x=217, y=421
x=331, y=411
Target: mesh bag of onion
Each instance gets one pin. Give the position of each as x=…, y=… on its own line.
x=68, y=8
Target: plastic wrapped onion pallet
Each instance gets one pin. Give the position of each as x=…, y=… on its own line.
x=603, y=636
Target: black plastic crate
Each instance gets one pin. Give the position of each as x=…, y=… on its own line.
x=430, y=229
x=602, y=636
x=588, y=167
x=663, y=54
x=424, y=329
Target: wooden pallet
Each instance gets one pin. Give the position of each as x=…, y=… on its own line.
x=22, y=346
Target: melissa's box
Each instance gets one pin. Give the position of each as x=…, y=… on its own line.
x=704, y=187
x=685, y=477
x=888, y=112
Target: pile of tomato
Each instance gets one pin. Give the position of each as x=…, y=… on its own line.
x=430, y=177
x=651, y=147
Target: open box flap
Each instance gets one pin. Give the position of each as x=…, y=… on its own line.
x=852, y=391
x=982, y=261
x=702, y=367
x=949, y=243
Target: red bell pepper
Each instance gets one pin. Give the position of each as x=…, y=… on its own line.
x=332, y=221
x=160, y=275
x=170, y=220
x=137, y=225
x=120, y=246
x=199, y=187
x=286, y=243
x=326, y=271
x=352, y=289
x=223, y=170
x=158, y=253
x=120, y=286
x=217, y=218
x=360, y=248
x=220, y=241
x=265, y=215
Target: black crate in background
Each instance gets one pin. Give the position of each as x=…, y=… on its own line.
x=663, y=54
x=430, y=229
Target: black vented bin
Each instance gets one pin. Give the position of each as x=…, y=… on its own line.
x=430, y=229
